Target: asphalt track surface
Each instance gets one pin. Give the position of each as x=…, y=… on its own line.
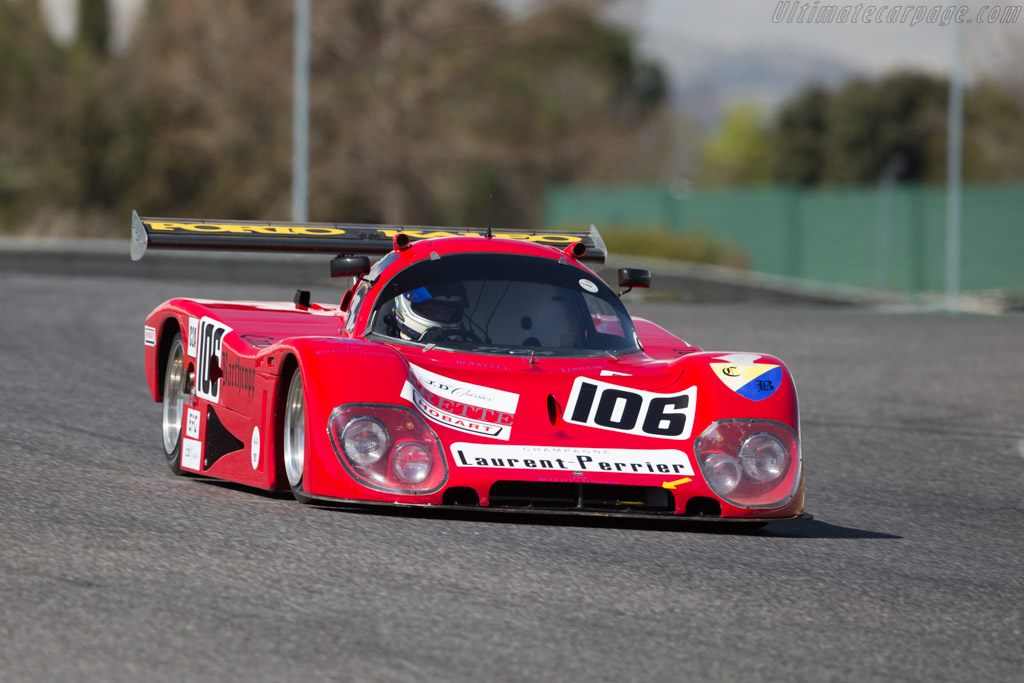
x=113, y=569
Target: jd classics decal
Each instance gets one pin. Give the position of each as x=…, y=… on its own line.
x=460, y=405
x=754, y=381
x=150, y=335
x=626, y=461
x=622, y=409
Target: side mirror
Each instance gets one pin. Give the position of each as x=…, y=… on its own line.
x=350, y=266
x=634, y=277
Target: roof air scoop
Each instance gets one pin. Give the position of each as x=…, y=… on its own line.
x=576, y=250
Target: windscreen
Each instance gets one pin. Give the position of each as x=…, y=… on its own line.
x=504, y=303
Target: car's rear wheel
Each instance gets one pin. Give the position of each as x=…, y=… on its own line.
x=175, y=395
x=294, y=437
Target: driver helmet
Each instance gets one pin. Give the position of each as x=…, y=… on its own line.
x=425, y=308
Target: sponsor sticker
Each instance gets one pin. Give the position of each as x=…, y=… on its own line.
x=210, y=350
x=461, y=405
x=192, y=420
x=588, y=285
x=191, y=454
x=622, y=409
x=286, y=231
x=240, y=377
x=754, y=381
x=576, y=460
x=150, y=335
x=193, y=336
x=254, y=448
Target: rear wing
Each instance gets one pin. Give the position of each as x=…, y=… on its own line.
x=322, y=238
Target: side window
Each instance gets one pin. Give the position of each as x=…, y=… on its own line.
x=353, y=308
x=604, y=317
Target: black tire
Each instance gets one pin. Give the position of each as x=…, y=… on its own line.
x=175, y=385
x=293, y=442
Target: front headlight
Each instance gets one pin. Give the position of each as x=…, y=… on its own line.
x=411, y=463
x=763, y=457
x=722, y=472
x=389, y=448
x=364, y=441
x=750, y=463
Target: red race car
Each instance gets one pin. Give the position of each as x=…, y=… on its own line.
x=469, y=369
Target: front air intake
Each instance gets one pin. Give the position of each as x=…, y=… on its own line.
x=570, y=497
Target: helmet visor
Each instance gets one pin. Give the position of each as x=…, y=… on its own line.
x=440, y=306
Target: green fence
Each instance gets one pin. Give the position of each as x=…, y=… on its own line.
x=865, y=236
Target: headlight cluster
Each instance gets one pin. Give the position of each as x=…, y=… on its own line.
x=387, y=448
x=750, y=463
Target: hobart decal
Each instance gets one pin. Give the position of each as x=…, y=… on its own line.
x=460, y=405
x=150, y=335
x=753, y=381
x=210, y=348
x=625, y=461
x=623, y=409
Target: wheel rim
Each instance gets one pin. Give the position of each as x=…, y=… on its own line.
x=174, y=397
x=294, y=433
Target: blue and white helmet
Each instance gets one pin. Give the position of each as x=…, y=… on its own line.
x=427, y=308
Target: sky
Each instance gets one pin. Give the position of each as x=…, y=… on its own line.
x=666, y=26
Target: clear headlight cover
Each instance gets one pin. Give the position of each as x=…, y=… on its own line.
x=722, y=472
x=750, y=463
x=388, y=448
x=364, y=440
x=411, y=463
x=764, y=457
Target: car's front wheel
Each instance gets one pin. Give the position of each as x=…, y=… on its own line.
x=294, y=437
x=175, y=396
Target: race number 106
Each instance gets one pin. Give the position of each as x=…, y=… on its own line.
x=622, y=409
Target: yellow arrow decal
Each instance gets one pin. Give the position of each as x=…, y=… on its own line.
x=677, y=482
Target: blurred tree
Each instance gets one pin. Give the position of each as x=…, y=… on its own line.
x=94, y=26
x=450, y=102
x=868, y=123
x=740, y=152
x=993, y=135
x=29, y=64
x=798, y=152
x=418, y=110
x=849, y=136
